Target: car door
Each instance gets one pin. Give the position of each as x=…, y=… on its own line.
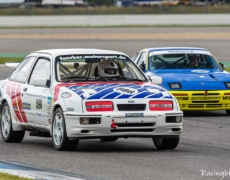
x=15, y=87
x=39, y=98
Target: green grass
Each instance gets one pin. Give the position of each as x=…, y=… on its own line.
x=100, y=10
x=4, y=176
x=3, y=60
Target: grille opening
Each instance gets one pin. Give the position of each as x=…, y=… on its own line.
x=136, y=124
x=176, y=129
x=205, y=101
x=86, y=121
x=213, y=105
x=171, y=119
x=84, y=131
x=132, y=130
x=196, y=105
x=131, y=107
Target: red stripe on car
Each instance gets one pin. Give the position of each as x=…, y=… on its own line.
x=13, y=97
x=19, y=100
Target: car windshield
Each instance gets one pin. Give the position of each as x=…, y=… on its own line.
x=101, y=67
x=182, y=61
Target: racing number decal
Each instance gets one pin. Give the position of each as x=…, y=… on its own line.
x=38, y=103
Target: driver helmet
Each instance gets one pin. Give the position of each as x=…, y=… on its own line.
x=108, y=68
x=193, y=60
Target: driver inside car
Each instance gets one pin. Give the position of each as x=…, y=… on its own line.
x=192, y=61
x=107, y=68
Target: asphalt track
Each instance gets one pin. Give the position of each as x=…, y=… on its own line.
x=204, y=145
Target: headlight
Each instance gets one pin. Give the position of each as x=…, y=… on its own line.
x=175, y=85
x=227, y=84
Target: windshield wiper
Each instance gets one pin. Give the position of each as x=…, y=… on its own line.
x=72, y=77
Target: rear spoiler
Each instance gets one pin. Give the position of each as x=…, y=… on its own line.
x=12, y=65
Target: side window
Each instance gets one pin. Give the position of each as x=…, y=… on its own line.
x=142, y=59
x=21, y=73
x=134, y=57
x=41, y=70
x=137, y=57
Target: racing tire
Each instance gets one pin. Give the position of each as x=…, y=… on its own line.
x=108, y=139
x=166, y=143
x=7, y=132
x=228, y=112
x=59, y=137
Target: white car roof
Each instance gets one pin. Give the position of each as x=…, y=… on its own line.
x=174, y=50
x=58, y=52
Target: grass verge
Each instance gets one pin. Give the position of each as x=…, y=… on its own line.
x=100, y=10
x=4, y=176
x=3, y=60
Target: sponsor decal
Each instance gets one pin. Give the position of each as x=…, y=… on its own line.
x=38, y=103
x=226, y=97
x=205, y=98
x=70, y=109
x=200, y=71
x=99, y=57
x=49, y=100
x=66, y=95
x=125, y=90
x=26, y=106
x=182, y=98
x=134, y=114
x=181, y=51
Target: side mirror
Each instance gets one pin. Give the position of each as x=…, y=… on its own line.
x=156, y=80
x=41, y=82
x=222, y=65
x=142, y=66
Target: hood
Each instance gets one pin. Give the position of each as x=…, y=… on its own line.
x=105, y=90
x=194, y=79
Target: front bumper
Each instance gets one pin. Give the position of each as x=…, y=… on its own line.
x=151, y=124
x=203, y=100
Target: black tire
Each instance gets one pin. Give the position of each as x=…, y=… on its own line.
x=108, y=139
x=9, y=136
x=228, y=112
x=65, y=143
x=166, y=143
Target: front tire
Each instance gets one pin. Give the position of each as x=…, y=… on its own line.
x=59, y=136
x=7, y=132
x=166, y=143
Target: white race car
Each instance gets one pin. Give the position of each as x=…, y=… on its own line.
x=73, y=94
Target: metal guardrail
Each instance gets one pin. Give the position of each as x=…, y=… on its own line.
x=114, y=20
